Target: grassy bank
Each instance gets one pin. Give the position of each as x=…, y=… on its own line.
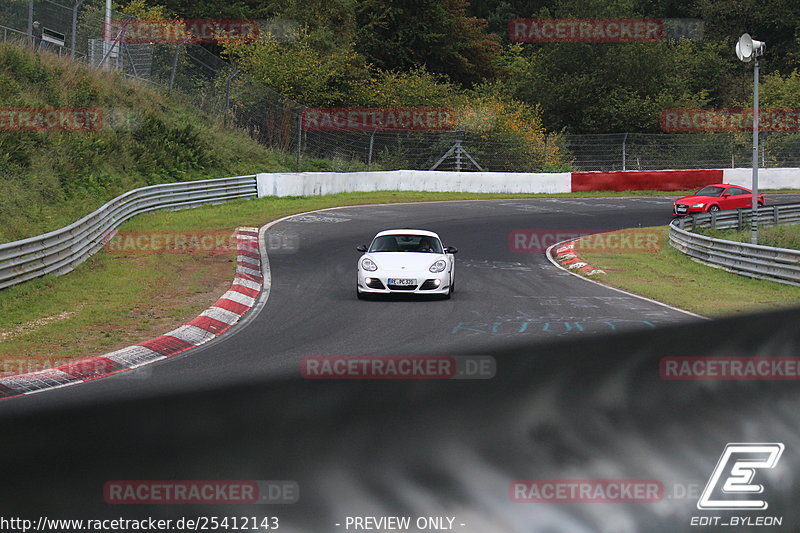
x=669, y=276
x=781, y=236
x=141, y=137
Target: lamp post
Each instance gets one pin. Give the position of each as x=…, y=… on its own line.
x=748, y=49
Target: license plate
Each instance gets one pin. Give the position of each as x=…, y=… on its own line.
x=399, y=281
x=681, y=210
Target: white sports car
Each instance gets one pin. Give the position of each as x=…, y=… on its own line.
x=406, y=261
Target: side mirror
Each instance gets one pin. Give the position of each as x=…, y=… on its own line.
x=726, y=194
x=451, y=250
x=362, y=248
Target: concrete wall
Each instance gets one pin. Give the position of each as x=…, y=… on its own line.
x=768, y=178
x=319, y=183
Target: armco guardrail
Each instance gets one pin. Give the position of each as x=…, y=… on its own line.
x=753, y=260
x=59, y=251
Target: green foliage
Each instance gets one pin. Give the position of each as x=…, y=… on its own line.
x=354, y=52
x=436, y=34
x=780, y=91
x=298, y=70
x=415, y=88
x=51, y=178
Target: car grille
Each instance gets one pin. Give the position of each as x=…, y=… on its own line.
x=429, y=284
x=681, y=208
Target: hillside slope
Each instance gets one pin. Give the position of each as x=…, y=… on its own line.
x=51, y=178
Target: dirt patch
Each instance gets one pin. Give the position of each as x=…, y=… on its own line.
x=28, y=327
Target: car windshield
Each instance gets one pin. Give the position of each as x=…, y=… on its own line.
x=710, y=191
x=406, y=243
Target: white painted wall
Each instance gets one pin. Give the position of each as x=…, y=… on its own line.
x=318, y=183
x=768, y=178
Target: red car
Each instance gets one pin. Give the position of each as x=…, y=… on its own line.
x=715, y=198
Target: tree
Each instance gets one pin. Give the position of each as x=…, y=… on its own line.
x=435, y=34
x=298, y=71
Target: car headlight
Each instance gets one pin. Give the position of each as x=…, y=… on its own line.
x=699, y=205
x=368, y=265
x=438, y=266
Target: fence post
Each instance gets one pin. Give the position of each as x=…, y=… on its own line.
x=458, y=152
x=30, y=21
x=545, y=151
x=371, y=144
x=232, y=75
x=174, y=66
x=75, y=27
x=299, y=137
x=624, y=140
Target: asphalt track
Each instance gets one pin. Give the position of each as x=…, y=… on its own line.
x=565, y=403
x=501, y=296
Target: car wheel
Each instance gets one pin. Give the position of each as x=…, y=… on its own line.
x=713, y=208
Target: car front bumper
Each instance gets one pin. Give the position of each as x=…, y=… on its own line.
x=689, y=211
x=427, y=283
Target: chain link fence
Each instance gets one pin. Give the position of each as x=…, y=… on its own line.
x=659, y=151
x=76, y=28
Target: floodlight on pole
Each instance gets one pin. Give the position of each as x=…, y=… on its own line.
x=748, y=49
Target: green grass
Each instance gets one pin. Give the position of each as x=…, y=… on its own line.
x=671, y=277
x=780, y=236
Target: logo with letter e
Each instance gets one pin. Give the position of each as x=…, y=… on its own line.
x=734, y=474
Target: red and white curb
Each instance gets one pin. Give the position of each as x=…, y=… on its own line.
x=247, y=285
x=566, y=255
